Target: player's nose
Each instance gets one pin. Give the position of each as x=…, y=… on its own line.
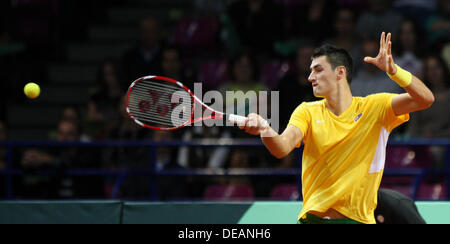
x=311, y=77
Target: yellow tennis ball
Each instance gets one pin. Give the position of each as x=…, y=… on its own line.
x=32, y=90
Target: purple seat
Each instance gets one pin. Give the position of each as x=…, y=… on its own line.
x=213, y=73
x=408, y=157
x=404, y=189
x=402, y=184
x=285, y=192
x=229, y=192
x=196, y=33
x=432, y=191
x=273, y=71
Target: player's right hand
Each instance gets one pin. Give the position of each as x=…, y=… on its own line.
x=254, y=124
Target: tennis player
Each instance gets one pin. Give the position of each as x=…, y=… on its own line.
x=345, y=137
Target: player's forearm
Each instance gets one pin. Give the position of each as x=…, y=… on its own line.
x=275, y=143
x=421, y=94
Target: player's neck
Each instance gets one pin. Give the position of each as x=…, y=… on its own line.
x=340, y=100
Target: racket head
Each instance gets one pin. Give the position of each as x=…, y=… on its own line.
x=151, y=103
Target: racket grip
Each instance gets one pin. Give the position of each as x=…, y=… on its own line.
x=236, y=119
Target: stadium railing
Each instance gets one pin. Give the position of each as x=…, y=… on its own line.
x=418, y=173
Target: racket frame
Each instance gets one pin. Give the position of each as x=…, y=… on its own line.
x=214, y=115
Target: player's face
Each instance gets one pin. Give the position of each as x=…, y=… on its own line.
x=322, y=77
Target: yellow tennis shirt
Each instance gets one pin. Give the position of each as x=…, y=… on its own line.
x=343, y=157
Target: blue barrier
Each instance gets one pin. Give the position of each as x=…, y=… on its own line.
x=152, y=172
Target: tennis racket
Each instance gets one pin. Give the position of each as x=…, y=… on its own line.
x=161, y=103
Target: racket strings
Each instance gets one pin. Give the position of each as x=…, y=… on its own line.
x=161, y=117
x=150, y=102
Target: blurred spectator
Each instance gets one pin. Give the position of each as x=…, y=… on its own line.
x=165, y=158
x=70, y=113
x=61, y=158
x=378, y=18
x=438, y=26
x=436, y=76
x=145, y=58
x=257, y=23
x=77, y=158
x=125, y=128
x=419, y=10
x=345, y=35
x=295, y=88
x=102, y=106
x=446, y=54
x=168, y=187
x=232, y=188
x=409, y=47
x=173, y=66
x=313, y=20
x=237, y=159
x=369, y=79
x=203, y=157
x=33, y=185
x=128, y=157
x=244, y=74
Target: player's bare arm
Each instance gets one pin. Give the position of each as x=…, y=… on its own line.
x=418, y=96
x=278, y=145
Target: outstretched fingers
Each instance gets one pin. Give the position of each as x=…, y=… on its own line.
x=389, y=45
x=369, y=60
x=382, y=41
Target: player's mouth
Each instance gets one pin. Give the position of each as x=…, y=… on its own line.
x=314, y=84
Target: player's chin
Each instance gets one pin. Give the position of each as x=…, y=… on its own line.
x=317, y=93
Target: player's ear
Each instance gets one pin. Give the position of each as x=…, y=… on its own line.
x=341, y=72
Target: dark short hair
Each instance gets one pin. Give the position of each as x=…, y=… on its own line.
x=336, y=56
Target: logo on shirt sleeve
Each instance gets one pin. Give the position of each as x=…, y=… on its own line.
x=357, y=117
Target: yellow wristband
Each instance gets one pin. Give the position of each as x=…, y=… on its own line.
x=402, y=77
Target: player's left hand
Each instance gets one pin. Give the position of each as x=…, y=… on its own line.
x=384, y=60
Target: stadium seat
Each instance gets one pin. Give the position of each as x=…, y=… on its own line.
x=213, y=73
x=402, y=184
x=404, y=189
x=273, y=71
x=196, y=33
x=408, y=157
x=229, y=192
x=285, y=192
x=432, y=191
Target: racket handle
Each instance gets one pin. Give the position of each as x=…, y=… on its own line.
x=236, y=119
